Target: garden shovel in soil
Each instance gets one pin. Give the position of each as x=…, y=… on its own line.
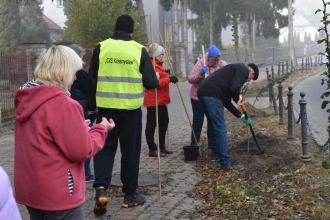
x=261, y=150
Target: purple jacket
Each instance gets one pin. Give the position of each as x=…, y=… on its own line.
x=8, y=206
x=195, y=79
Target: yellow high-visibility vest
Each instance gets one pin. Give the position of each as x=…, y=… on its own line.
x=119, y=82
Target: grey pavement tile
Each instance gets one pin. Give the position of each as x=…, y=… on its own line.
x=181, y=174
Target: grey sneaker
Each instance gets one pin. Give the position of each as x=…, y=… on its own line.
x=131, y=200
x=230, y=166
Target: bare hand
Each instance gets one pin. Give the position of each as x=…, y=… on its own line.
x=108, y=124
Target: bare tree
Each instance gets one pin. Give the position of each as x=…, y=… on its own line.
x=176, y=36
x=185, y=35
x=211, y=22
x=140, y=10
x=176, y=22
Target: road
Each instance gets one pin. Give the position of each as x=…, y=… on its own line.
x=317, y=117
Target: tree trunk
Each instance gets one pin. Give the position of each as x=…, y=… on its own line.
x=247, y=34
x=211, y=22
x=290, y=33
x=176, y=37
x=140, y=10
x=185, y=36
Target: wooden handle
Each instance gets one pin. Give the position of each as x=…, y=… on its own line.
x=203, y=55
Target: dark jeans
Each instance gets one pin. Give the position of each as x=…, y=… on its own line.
x=87, y=162
x=198, y=120
x=215, y=114
x=70, y=214
x=151, y=126
x=87, y=167
x=128, y=131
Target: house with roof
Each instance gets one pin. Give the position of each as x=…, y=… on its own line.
x=53, y=28
x=302, y=27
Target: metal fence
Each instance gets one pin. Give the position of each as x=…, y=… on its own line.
x=302, y=119
x=15, y=69
x=270, y=55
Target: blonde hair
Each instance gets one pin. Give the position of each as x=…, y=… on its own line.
x=58, y=66
x=152, y=48
x=155, y=50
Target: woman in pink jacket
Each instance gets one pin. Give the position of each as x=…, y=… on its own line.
x=52, y=139
x=198, y=73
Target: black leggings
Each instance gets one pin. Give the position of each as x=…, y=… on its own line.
x=151, y=126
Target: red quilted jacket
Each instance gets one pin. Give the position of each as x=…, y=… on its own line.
x=163, y=90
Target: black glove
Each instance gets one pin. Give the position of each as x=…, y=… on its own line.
x=168, y=71
x=173, y=79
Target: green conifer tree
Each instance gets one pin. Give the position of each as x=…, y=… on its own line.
x=10, y=22
x=33, y=27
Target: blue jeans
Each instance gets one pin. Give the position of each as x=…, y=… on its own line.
x=198, y=119
x=215, y=114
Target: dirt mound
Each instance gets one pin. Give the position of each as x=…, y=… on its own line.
x=279, y=152
x=254, y=112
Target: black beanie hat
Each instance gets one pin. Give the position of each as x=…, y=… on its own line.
x=255, y=69
x=125, y=23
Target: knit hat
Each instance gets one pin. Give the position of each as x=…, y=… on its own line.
x=255, y=69
x=158, y=51
x=213, y=51
x=125, y=23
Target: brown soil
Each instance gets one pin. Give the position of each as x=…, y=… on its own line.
x=279, y=151
x=267, y=180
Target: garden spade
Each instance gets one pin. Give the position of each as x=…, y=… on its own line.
x=261, y=150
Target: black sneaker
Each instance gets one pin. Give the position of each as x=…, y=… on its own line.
x=101, y=201
x=131, y=200
x=89, y=178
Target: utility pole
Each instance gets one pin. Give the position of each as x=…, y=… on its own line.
x=290, y=32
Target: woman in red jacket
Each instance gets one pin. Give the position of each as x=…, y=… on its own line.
x=163, y=98
x=52, y=140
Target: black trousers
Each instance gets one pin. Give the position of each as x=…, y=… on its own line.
x=128, y=131
x=151, y=126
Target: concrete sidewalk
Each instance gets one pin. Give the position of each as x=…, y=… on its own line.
x=176, y=204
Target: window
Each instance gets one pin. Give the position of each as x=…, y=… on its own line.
x=60, y=3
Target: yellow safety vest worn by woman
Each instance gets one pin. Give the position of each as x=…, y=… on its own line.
x=119, y=82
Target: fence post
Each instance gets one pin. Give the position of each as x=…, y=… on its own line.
x=269, y=89
x=302, y=65
x=280, y=102
x=291, y=66
x=296, y=66
x=306, y=64
x=279, y=69
x=287, y=67
x=304, y=135
x=315, y=61
x=272, y=72
x=290, y=111
x=282, y=68
x=272, y=95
